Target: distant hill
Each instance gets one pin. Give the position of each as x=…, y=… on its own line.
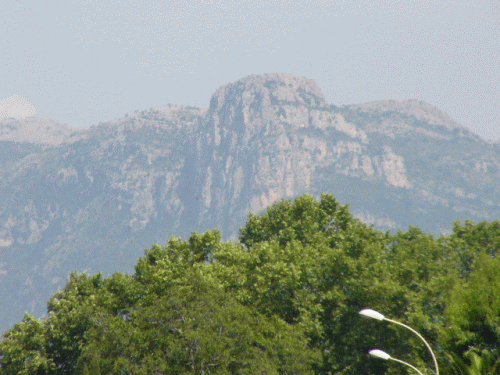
x=94, y=199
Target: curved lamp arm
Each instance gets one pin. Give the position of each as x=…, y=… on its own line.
x=376, y=315
x=380, y=354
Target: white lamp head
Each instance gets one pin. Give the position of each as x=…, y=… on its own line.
x=372, y=314
x=379, y=354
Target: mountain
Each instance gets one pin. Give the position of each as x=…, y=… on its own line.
x=94, y=199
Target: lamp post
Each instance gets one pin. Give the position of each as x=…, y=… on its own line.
x=376, y=315
x=380, y=354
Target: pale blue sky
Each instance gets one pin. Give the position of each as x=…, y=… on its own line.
x=89, y=61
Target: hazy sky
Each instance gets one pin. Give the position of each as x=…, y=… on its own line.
x=82, y=62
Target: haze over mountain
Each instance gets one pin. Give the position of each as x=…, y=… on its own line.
x=94, y=199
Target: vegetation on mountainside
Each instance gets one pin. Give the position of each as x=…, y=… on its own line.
x=284, y=299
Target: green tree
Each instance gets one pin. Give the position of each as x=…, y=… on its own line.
x=315, y=266
x=426, y=269
x=23, y=349
x=53, y=345
x=283, y=299
x=174, y=264
x=196, y=330
x=469, y=239
x=70, y=316
x=473, y=309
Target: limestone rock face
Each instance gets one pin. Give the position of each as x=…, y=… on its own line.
x=249, y=148
x=93, y=200
x=268, y=137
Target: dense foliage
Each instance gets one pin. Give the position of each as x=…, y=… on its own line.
x=284, y=299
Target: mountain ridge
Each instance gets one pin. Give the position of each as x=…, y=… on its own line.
x=93, y=199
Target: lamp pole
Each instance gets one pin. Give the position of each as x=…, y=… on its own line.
x=376, y=315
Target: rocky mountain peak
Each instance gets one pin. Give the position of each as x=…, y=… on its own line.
x=272, y=88
x=39, y=131
x=258, y=103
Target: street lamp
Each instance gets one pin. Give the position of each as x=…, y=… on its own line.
x=380, y=354
x=376, y=315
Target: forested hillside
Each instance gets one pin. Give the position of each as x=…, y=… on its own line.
x=282, y=299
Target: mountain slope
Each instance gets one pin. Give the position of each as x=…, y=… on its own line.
x=94, y=199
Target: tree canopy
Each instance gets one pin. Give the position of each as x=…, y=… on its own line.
x=283, y=299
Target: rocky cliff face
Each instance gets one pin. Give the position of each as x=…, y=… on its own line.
x=273, y=136
x=251, y=147
x=93, y=200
